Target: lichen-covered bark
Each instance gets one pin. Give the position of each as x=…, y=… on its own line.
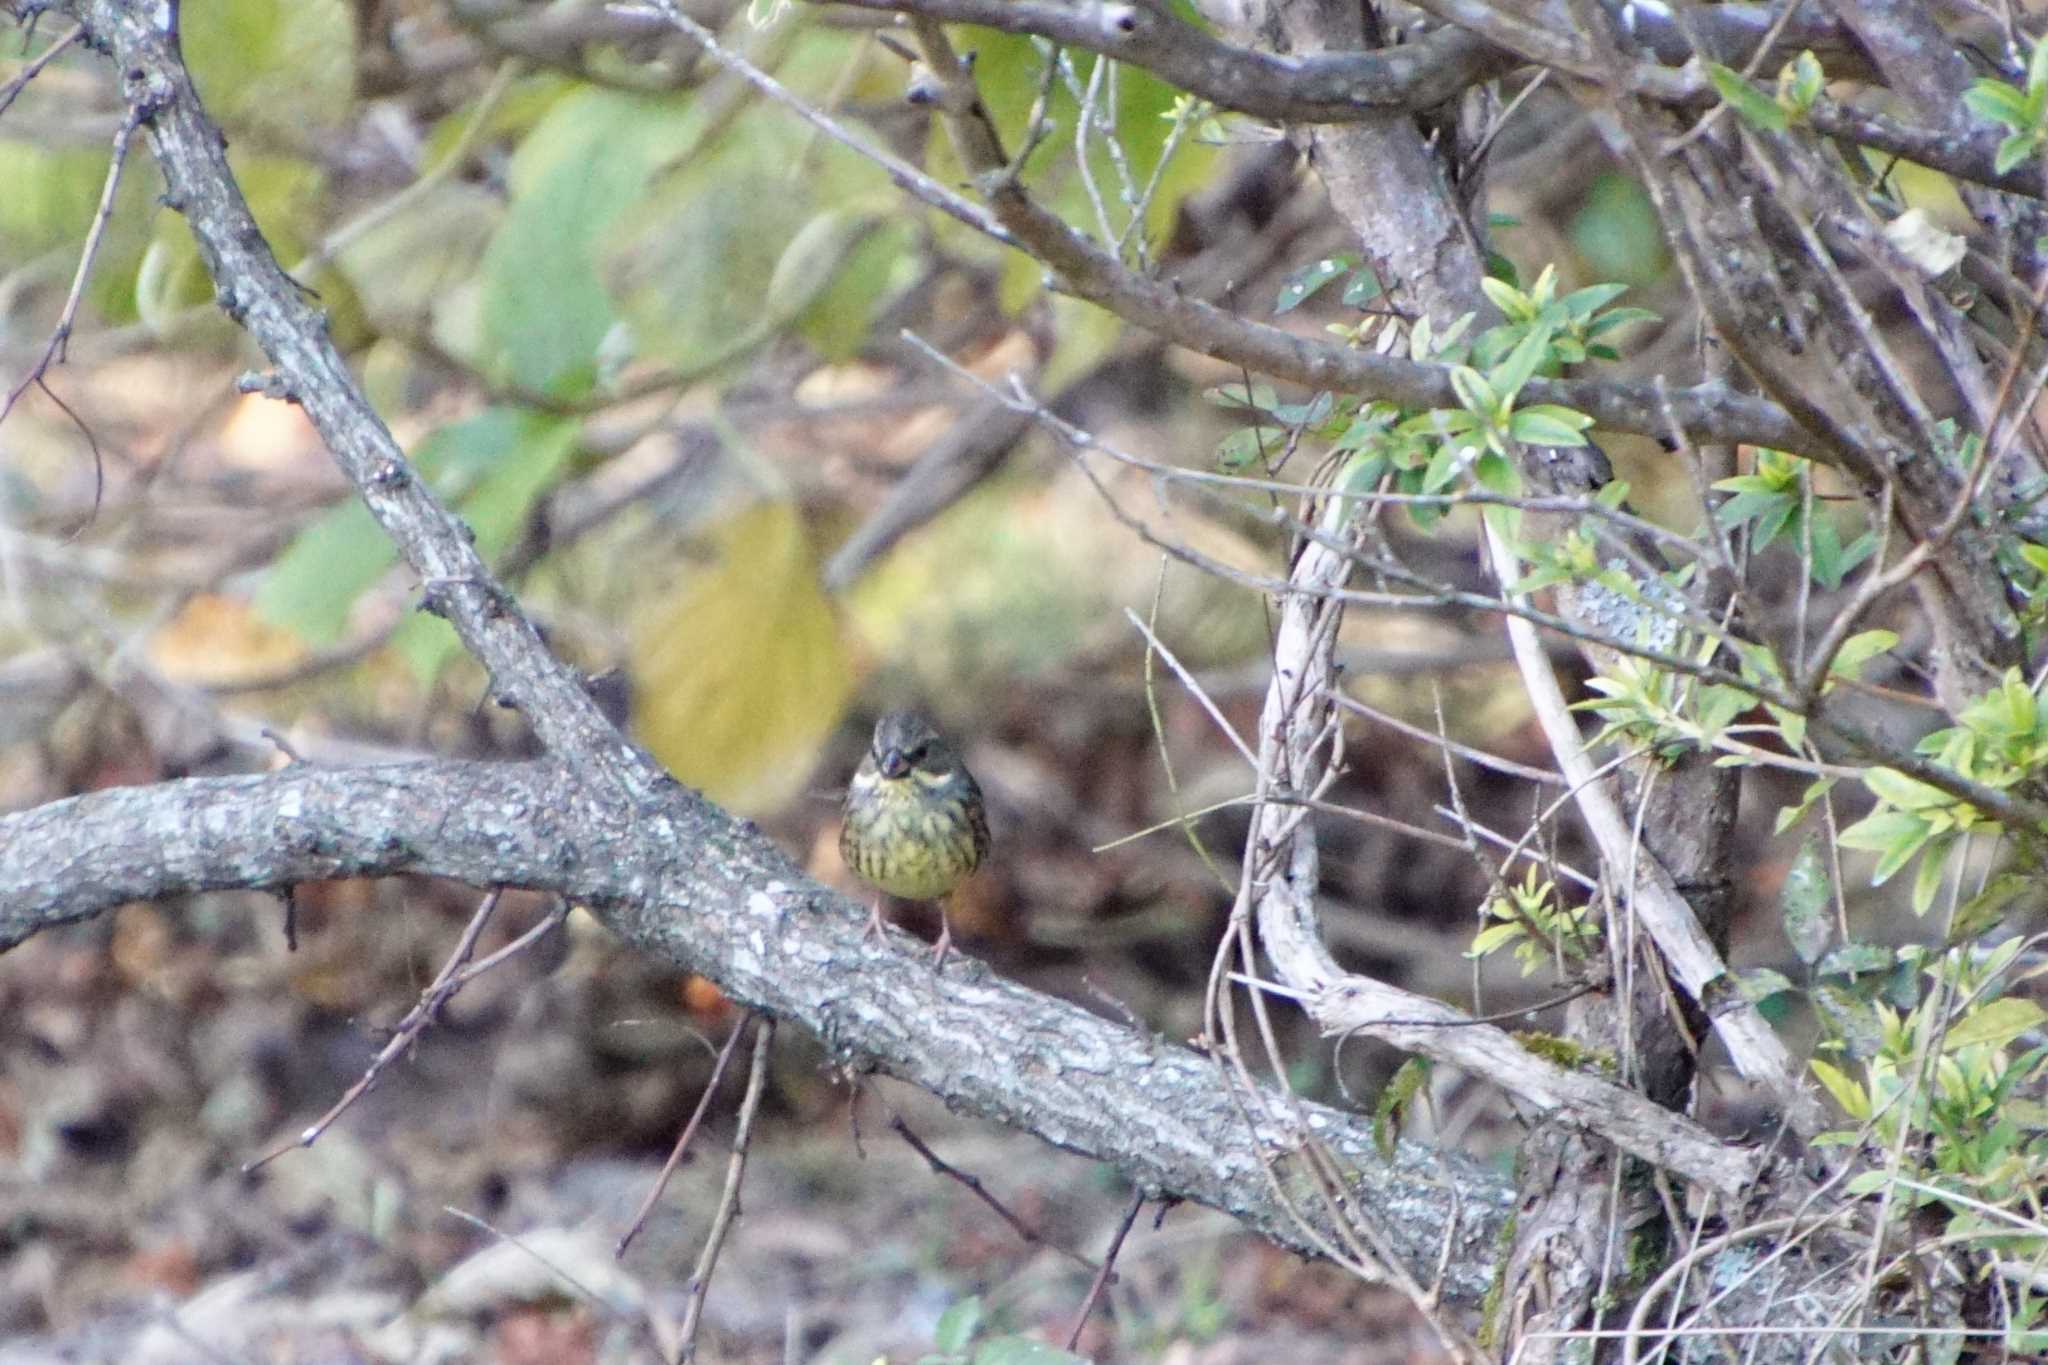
x=678, y=878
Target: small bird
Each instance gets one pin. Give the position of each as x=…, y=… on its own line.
x=914, y=825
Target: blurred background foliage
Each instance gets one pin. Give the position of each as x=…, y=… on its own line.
x=651, y=335
x=542, y=272
x=670, y=350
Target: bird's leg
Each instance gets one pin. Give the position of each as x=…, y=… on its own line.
x=944, y=946
x=876, y=929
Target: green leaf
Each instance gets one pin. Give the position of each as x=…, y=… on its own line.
x=1901, y=852
x=1895, y=835
x=1803, y=903
x=1832, y=561
x=1995, y=1023
x=1983, y=910
x=821, y=256
x=1996, y=102
x=1617, y=318
x=1791, y=725
x=1249, y=445
x=1513, y=304
x=2013, y=150
x=1308, y=416
x=310, y=588
x=1361, y=474
x=1893, y=786
x=1789, y=816
x=1759, y=984
x=1860, y=648
x=1475, y=394
x=1581, y=304
x=1933, y=864
x=493, y=466
x=1803, y=80
x=1848, y=1093
x=1496, y=473
x=958, y=1324
x=1259, y=398
x=1306, y=283
x=545, y=308
x=1755, y=107
x=1443, y=467
x=1363, y=288
x=1751, y=485
x=1546, y=424
x=1825, y=550
x=1849, y=1019
x=527, y=453
x=285, y=67
x=1719, y=706
x=1618, y=232
x=1401, y=1088
x=1023, y=1351
x=1520, y=365
x=1494, y=936
x=1856, y=959
x=1773, y=521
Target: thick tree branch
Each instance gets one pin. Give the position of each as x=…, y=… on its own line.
x=1322, y=87
x=1347, y=87
x=1335, y=86
x=681, y=880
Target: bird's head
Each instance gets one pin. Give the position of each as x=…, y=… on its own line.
x=905, y=740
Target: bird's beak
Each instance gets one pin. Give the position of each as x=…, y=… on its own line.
x=894, y=764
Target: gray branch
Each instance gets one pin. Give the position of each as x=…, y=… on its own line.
x=685, y=882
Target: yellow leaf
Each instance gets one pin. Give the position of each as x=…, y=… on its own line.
x=219, y=640
x=741, y=670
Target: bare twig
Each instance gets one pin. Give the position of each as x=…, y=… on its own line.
x=60, y=335
x=1346, y=702
x=1103, y=1276
x=675, y=1156
x=980, y=1191
x=1755, y=1048
x=13, y=88
x=907, y=177
x=1154, y=643
x=454, y=975
x=590, y=1296
x=729, y=1198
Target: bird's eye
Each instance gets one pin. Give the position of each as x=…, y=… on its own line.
x=916, y=752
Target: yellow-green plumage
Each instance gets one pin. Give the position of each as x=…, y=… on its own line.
x=914, y=824
x=916, y=837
